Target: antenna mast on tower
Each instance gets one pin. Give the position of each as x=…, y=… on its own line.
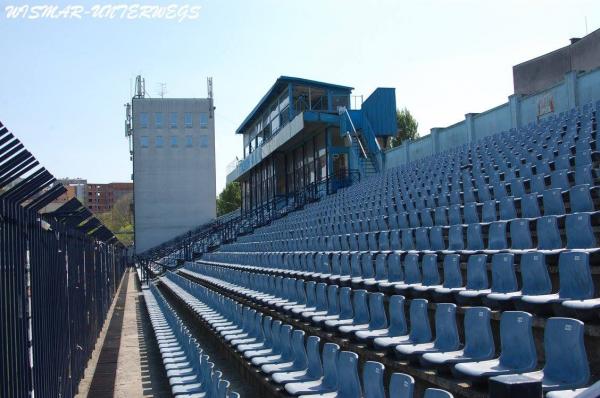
x=211, y=108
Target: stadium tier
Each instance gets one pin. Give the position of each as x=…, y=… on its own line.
x=455, y=275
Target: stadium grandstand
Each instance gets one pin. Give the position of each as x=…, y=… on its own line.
x=462, y=264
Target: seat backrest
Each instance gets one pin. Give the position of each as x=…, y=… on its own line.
x=488, y=211
x=321, y=297
x=504, y=278
x=580, y=234
x=471, y=215
x=373, y=380
x=455, y=238
x=479, y=340
x=401, y=385
x=361, y=307
x=377, y=311
x=299, y=356
x=537, y=183
x=311, y=295
x=395, y=240
x=516, y=341
x=553, y=202
x=408, y=242
x=566, y=358
x=436, y=238
x=452, y=273
x=507, y=208
x=349, y=385
x=580, y=199
x=477, y=277
x=530, y=207
x=285, y=342
x=426, y=219
x=575, y=277
x=520, y=235
x=534, y=274
x=474, y=237
x=446, y=331
x=422, y=238
x=330, y=359
x=346, y=311
x=366, y=263
x=548, y=234
x=355, y=265
x=497, y=236
x=396, y=314
x=395, y=272
x=441, y=219
x=420, y=330
x=437, y=393
x=431, y=273
x=454, y=214
x=517, y=189
x=412, y=273
x=345, y=264
x=384, y=241
x=583, y=174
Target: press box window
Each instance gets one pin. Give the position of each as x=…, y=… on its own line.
x=144, y=120
x=188, y=141
x=187, y=120
x=203, y=141
x=204, y=120
x=144, y=141
x=159, y=141
x=159, y=120
x=173, y=120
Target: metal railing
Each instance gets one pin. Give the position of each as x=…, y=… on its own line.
x=58, y=275
x=210, y=236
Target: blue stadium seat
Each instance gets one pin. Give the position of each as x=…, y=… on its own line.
x=504, y=282
x=580, y=234
x=376, y=313
x=373, y=380
x=477, y=280
x=401, y=386
x=575, y=281
x=422, y=239
x=488, y=211
x=325, y=384
x=412, y=274
x=456, y=240
x=537, y=183
x=479, y=341
x=518, y=353
x=298, y=360
x=590, y=392
x=520, y=235
x=441, y=218
x=517, y=189
x=553, y=202
x=566, y=359
x=437, y=393
x=529, y=206
x=453, y=280
x=497, y=236
x=470, y=213
x=436, y=239
x=395, y=274
x=397, y=324
x=430, y=276
x=349, y=385
x=560, y=179
x=583, y=175
x=454, y=214
x=581, y=199
x=420, y=330
x=446, y=333
x=426, y=220
x=507, y=208
x=548, y=235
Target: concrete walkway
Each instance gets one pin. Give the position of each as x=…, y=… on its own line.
x=126, y=362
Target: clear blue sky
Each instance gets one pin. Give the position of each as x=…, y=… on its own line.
x=63, y=83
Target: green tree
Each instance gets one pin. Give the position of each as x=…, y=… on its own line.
x=120, y=219
x=407, y=128
x=229, y=199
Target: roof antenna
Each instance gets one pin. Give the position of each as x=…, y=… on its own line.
x=162, y=89
x=209, y=86
x=586, y=28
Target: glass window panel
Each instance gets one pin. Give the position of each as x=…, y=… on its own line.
x=144, y=120
x=204, y=120
x=173, y=120
x=159, y=120
x=187, y=120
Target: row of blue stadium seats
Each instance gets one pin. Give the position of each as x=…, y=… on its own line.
x=190, y=373
x=286, y=355
x=548, y=233
x=363, y=318
x=576, y=294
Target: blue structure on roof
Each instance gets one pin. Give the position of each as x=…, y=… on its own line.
x=304, y=138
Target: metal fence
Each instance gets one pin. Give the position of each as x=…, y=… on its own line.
x=58, y=275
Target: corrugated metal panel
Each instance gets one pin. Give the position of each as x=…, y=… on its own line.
x=380, y=110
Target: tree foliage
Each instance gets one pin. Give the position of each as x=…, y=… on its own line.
x=229, y=199
x=407, y=128
x=120, y=219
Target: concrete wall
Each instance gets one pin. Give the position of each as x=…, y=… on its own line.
x=574, y=90
x=174, y=186
x=548, y=70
